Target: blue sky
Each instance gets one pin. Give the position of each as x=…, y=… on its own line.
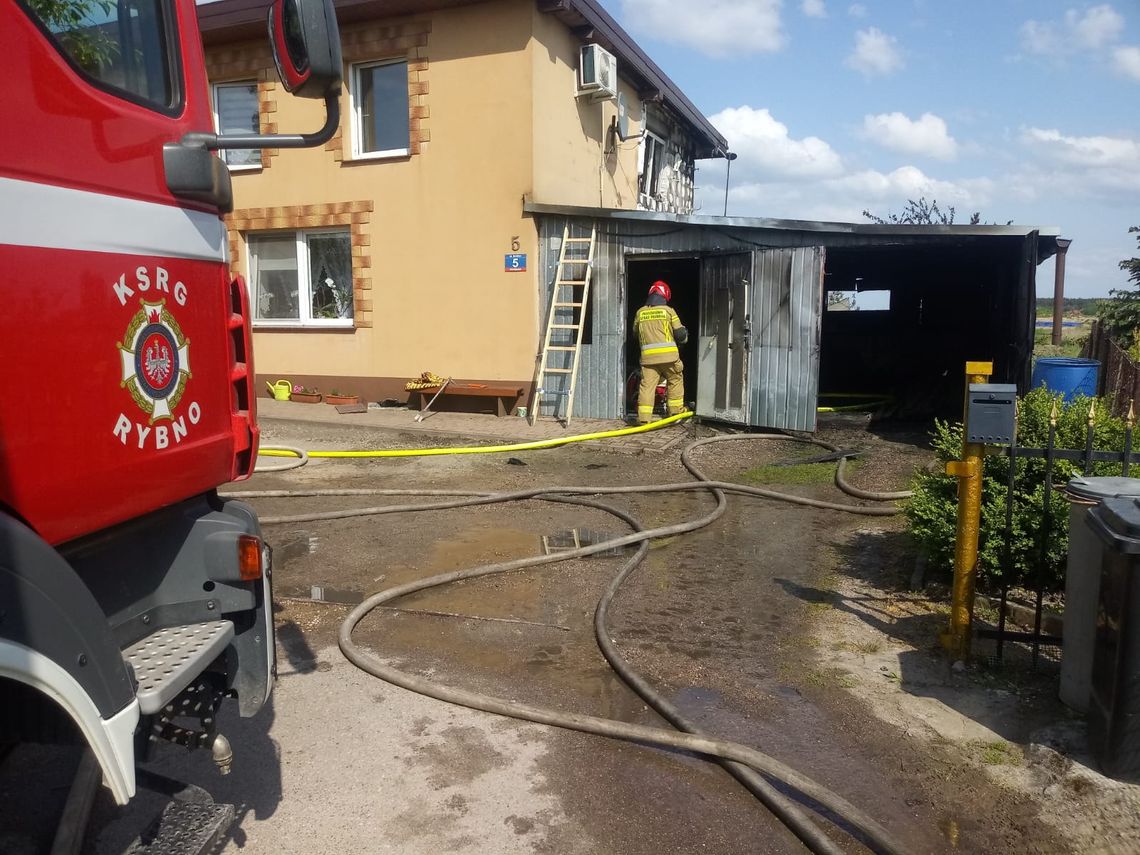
x=1024, y=110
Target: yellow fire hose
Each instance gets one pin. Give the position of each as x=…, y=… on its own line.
x=869, y=401
x=280, y=451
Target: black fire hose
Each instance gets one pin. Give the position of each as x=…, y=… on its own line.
x=747, y=764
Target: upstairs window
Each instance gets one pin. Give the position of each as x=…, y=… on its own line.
x=301, y=278
x=652, y=161
x=236, y=112
x=380, y=124
x=122, y=45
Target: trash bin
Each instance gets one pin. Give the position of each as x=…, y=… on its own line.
x=1114, y=702
x=1082, y=582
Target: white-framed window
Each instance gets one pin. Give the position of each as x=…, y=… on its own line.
x=380, y=123
x=236, y=112
x=301, y=278
x=652, y=161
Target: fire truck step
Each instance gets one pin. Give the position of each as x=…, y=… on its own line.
x=166, y=661
x=185, y=828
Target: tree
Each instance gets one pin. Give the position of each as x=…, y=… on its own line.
x=1132, y=265
x=923, y=213
x=920, y=213
x=1120, y=313
x=83, y=27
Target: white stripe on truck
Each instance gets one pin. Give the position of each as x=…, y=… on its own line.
x=34, y=214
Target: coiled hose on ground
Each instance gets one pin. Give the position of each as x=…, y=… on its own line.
x=746, y=764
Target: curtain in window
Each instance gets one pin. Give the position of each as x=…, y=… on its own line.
x=237, y=114
x=273, y=272
x=382, y=103
x=330, y=275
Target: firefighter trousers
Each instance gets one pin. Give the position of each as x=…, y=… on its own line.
x=651, y=375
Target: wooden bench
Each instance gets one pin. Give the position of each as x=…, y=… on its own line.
x=506, y=397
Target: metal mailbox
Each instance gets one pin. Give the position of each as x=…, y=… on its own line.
x=990, y=416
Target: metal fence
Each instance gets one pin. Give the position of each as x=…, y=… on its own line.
x=1119, y=377
x=1089, y=460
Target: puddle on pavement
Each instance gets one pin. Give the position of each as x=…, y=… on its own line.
x=697, y=698
x=318, y=594
x=469, y=548
x=949, y=828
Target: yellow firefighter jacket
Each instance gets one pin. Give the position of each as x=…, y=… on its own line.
x=654, y=326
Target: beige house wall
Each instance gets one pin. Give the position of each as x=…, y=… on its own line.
x=577, y=161
x=493, y=118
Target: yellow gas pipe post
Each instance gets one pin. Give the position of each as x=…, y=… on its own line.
x=968, y=470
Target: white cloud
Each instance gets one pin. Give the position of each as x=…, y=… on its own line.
x=1102, y=166
x=1127, y=61
x=1099, y=26
x=813, y=8
x=1097, y=152
x=777, y=175
x=844, y=198
x=768, y=152
x=927, y=135
x=857, y=10
x=714, y=27
x=875, y=53
x=1095, y=29
x=1039, y=38
x=893, y=188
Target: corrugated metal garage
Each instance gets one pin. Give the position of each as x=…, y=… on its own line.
x=754, y=295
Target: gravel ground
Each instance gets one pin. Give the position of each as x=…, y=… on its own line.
x=724, y=620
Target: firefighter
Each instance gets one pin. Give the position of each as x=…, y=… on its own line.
x=659, y=332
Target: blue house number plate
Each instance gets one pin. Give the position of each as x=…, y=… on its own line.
x=515, y=262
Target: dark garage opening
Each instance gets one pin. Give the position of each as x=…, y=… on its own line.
x=947, y=302
x=684, y=278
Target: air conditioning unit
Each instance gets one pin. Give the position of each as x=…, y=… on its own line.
x=597, y=73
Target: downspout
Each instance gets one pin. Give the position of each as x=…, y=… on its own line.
x=1059, y=287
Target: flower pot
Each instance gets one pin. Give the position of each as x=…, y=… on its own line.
x=307, y=398
x=342, y=399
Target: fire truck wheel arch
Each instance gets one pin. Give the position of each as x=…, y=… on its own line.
x=53, y=612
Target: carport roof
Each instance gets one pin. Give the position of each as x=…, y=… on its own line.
x=1047, y=235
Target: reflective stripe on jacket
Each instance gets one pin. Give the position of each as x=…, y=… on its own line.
x=654, y=326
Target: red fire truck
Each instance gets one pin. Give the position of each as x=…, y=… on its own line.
x=132, y=598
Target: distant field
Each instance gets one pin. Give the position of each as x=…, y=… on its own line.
x=1074, y=331
x=1083, y=306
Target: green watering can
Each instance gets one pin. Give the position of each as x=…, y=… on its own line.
x=281, y=390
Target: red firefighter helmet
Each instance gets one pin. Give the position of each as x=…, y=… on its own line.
x=661, y=287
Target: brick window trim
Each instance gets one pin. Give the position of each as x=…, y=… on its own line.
x=355, y=215
x=376, y=42
x=251, y=61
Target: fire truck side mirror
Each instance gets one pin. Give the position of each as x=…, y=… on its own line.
x=306, y=46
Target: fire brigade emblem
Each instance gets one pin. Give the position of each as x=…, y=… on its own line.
x=155, y=359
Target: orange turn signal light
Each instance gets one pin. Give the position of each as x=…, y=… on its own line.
x=249, y=558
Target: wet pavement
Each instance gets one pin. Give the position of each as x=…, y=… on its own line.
x=719, y=619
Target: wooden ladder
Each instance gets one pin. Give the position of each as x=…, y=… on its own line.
x=556, y=371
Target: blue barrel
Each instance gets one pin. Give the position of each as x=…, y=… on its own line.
x=1066, y=375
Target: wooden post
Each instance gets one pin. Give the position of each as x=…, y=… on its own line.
x=1059, y=288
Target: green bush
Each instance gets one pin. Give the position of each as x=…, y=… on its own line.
x=933, y=512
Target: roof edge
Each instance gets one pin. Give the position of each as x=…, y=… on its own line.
x=532, y=207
